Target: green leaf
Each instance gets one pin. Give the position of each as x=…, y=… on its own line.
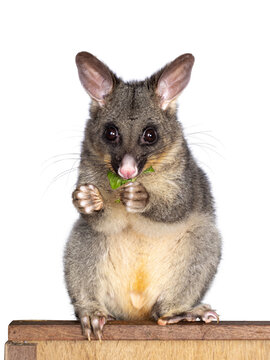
x=118, y=201
x=148, y=170
x=116, y=181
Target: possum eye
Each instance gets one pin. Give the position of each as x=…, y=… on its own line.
x=111, y=133
x=149, y=136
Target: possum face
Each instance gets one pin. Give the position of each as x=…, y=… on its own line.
x=133, y=125
x=131, y=131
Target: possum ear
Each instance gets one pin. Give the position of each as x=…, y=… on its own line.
x=95, y=76
x=174, y=79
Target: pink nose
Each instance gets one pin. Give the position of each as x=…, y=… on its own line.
x=127, y=173
x=128, y=167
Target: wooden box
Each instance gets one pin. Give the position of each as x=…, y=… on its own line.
x=55, y=340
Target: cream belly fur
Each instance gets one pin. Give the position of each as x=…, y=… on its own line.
x=137, y=266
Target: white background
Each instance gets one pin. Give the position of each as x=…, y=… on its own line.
x=225, y=111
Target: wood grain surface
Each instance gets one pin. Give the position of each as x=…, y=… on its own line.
x=154, y=350
x=52, y=330
x=14, y=351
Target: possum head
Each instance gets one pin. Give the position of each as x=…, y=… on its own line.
x=133, y=125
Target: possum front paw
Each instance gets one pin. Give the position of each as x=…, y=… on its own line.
x=134, y=196
x=87, y=199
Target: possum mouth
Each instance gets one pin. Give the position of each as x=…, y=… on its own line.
x=128, y=168
x=133, y=178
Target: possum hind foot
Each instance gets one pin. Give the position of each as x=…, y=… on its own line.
x=95, y=324
x=202, y=312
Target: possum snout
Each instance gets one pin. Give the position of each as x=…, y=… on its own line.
x=128, y=168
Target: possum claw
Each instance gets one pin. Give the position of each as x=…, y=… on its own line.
x=97, y=324
x=210, y=315
x=86, y=328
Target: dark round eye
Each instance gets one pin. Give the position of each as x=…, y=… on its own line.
x=111, y=133
x=150, y=135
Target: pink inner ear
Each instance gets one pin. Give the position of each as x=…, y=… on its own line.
x=95, y=77
x=174, y=79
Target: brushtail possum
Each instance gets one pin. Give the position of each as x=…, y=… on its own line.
x=153, y=253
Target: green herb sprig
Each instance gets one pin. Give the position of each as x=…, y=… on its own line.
x=116, y=181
